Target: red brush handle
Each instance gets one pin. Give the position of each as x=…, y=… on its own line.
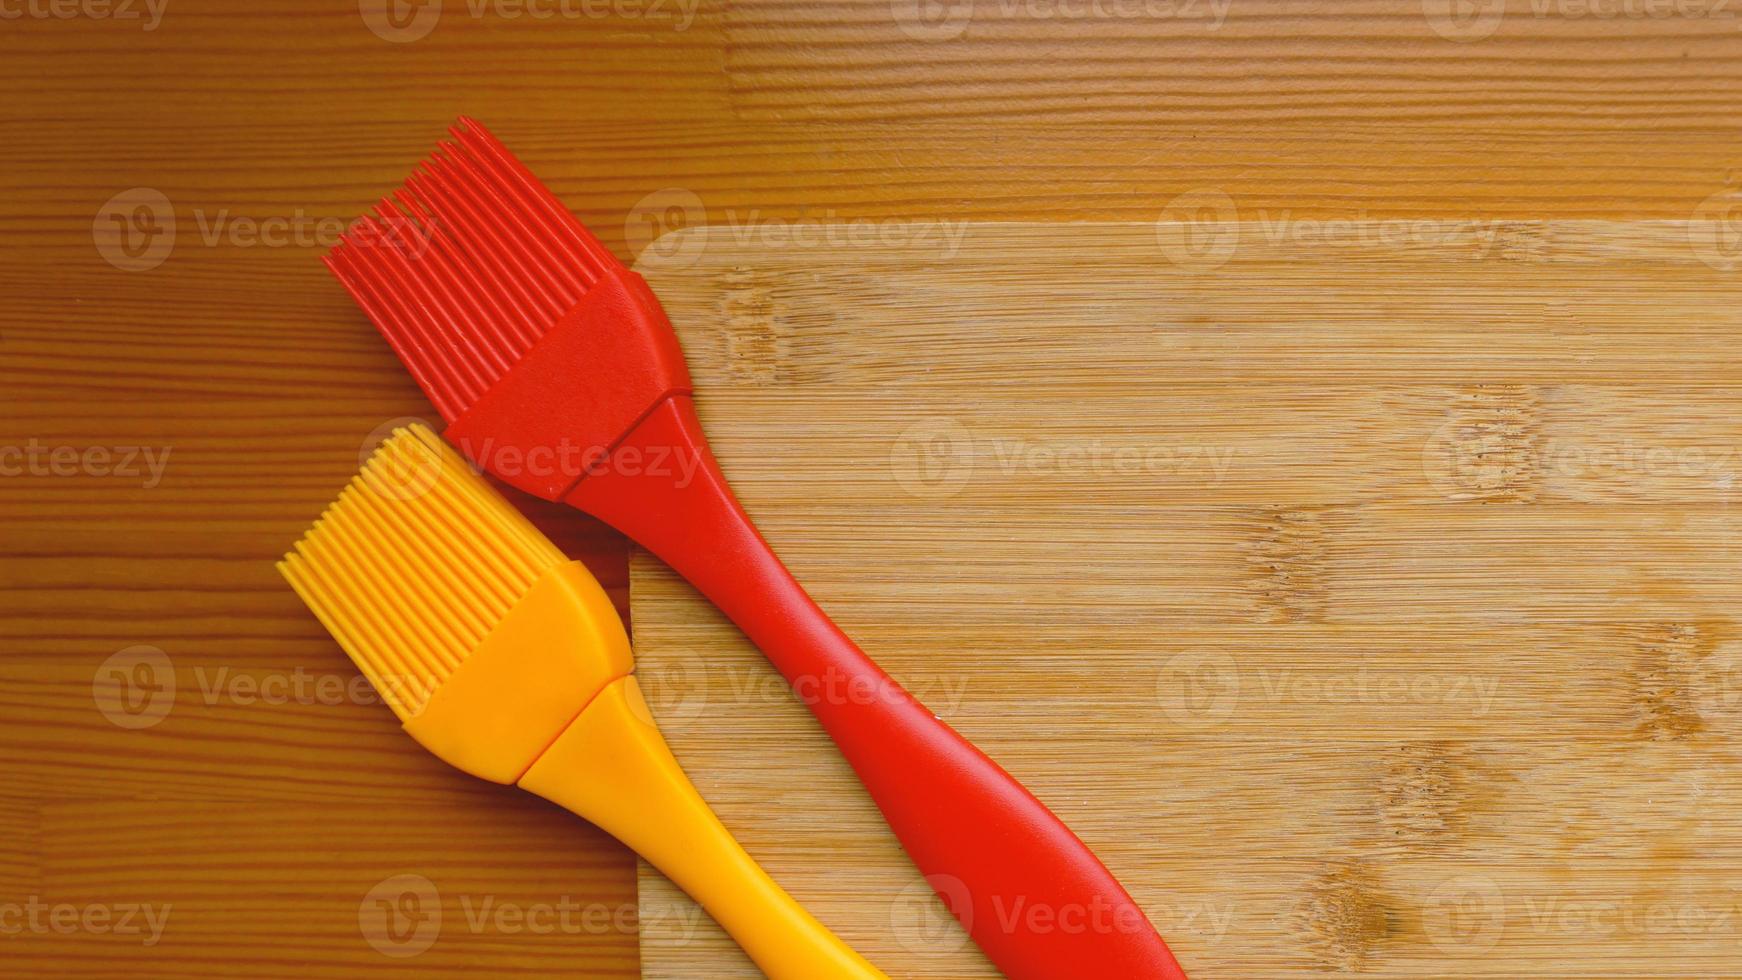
x=1033, y=897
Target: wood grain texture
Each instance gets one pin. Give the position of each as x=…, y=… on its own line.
x=245, y=362
x=1368, y=604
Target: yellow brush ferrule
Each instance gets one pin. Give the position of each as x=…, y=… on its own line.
x=547, y=658
x=547, y=701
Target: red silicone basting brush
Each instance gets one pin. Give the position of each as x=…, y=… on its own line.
x=558, y=372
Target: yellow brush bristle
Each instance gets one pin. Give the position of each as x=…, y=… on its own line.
x=414, y=564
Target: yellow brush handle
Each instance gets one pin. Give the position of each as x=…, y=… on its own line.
x=613, y=767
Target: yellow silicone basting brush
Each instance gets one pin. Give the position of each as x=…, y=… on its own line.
x=508, y=661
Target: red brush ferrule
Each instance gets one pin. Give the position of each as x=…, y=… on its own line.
x=600, y=369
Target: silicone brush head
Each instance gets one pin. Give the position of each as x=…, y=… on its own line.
x=468, y=265
x=527, y=335
x=415, y=564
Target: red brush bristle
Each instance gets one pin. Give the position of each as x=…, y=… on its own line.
x=467, y=265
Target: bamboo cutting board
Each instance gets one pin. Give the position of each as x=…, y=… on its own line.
x=1365, y=594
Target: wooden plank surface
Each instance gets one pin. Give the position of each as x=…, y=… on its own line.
x=1368, y=602
x=238, y=356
